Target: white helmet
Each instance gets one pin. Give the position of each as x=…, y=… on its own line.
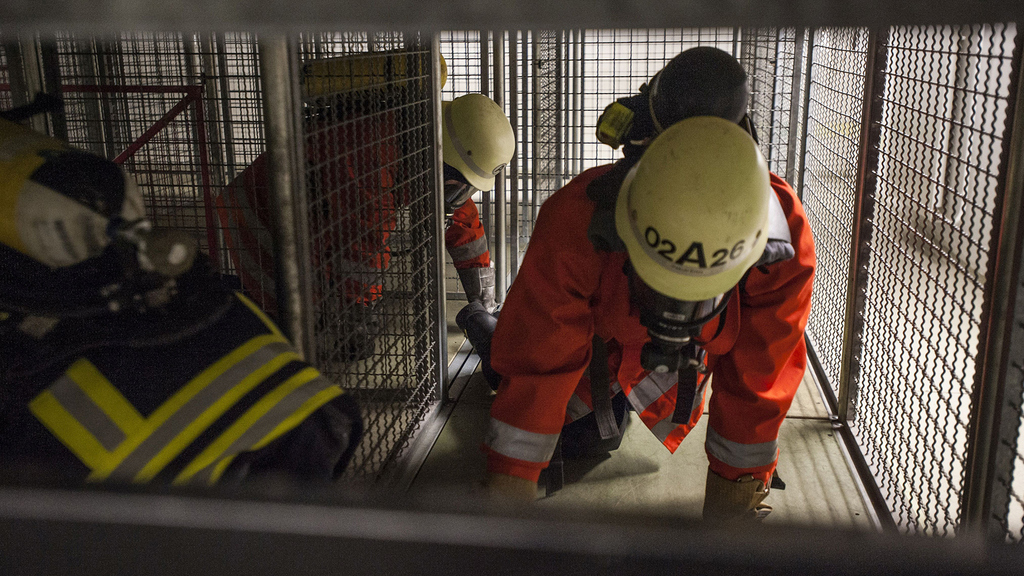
x=478, y=139
x=693, y=212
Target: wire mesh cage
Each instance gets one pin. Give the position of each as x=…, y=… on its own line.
x=368, y=131
x=184, y=114
x=941, y=117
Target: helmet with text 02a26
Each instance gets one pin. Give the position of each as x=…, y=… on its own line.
x=693, y=212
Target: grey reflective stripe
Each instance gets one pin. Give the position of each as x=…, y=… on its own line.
x=90, y=416
x=196, y=406
x=577, y=408
x=663, y=428
x=517, y=443
x=698, y=397
x=469, y=250
x=266, y=424
x=648, y=390
x=358, y=272
x=460, y=148
x=740, y=455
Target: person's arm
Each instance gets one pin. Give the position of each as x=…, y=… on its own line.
x=542, y=343
x=754, y=383
x=465, y=239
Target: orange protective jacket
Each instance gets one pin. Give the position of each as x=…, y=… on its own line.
x=353, y=196
x=566, y=291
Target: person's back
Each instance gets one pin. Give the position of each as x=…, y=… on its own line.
x=126, y=359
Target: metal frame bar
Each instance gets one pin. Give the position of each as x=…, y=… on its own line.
x=513, y=106
x=993, y=424
x=285, y=150
x=860, y=252
x=441, y=358
x=118, y=532
x=794, y=104
x=500, y=238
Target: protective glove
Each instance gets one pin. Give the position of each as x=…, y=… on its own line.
x=478, y=325
x=734, y=501
x=510, y=488
x=775, y=251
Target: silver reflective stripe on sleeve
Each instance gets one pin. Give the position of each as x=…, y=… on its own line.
x=469, y=250
x=648, y=390
x=740, y=455
x=83, y=408
x=208, y=403
x=517, y=443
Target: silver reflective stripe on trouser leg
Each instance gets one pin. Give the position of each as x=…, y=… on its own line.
x=517, y=443
x=741, y=455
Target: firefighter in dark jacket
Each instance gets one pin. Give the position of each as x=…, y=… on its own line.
x=124, y=358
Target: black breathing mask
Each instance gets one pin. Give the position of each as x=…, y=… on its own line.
x=457, y=190
x=673, y=325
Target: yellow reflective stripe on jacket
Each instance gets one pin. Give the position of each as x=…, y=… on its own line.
x=262, y=316
x=741, y=455
x=94, y=420
x=280, y=354
x=520, y=444
x=201, y=408
x=276, y=413
x=62, y=424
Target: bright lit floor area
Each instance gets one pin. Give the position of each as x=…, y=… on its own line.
x=641, y=475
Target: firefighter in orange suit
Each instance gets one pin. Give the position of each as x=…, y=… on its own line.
x=354, y=172
x=124, y=358
x=684, y=260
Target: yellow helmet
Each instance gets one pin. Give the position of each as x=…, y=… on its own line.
x=366, y=71
x=693, y=212
x=478, y=139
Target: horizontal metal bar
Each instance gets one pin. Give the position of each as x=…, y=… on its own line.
x=99, y=16
x=330, y=532
x=192, y=91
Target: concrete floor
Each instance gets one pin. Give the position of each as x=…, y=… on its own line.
x=643, y=476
